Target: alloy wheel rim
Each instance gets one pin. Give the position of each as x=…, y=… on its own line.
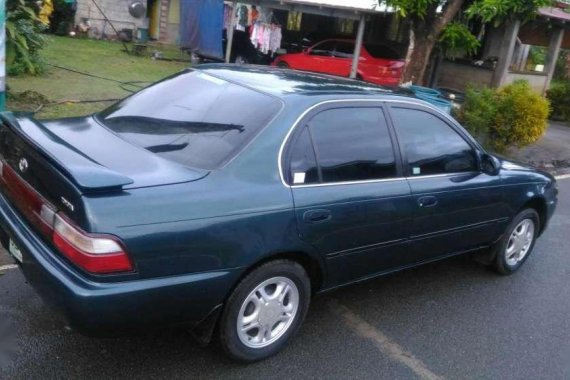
x=520, y=242
x=268, y=312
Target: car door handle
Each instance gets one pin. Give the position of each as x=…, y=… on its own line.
x=317, y=216
x=428, y=201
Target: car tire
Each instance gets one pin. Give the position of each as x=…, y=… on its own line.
x=283, y=65
x=517, y=243
x=265, y=311
x=241, y=60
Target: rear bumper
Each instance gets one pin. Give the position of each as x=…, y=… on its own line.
x=100, y=308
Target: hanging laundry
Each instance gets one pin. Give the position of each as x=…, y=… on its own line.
x=266, y=37
x=243, y=16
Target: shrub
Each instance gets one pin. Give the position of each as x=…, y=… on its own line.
x=514, y=115
x=559, y=96
x=24, y=39
x=522, y=116
x=479, y=112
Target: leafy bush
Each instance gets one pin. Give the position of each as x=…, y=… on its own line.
x=479, y=112
x=559, y=96
x=457, y=40
x=514, y=115
x=522, y=116
x=24, y=39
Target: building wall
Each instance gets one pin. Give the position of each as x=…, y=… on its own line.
x=458, y=76
x=170, y=21
x=116, y=11
x=537, y=81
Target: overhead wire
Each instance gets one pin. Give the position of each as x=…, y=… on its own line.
x=124, y=85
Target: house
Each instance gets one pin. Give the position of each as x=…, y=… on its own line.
x=162, y=18
x=505, y=51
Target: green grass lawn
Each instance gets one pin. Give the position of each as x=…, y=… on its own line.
x=101, y=58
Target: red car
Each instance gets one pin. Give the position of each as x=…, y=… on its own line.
x=378, y=63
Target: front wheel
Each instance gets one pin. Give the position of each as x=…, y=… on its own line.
x=517, y=243
x=283, y=65
x=265, y=311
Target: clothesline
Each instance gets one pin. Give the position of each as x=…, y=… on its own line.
x=266, y=37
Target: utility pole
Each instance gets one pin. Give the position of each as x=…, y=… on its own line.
x=2, y=55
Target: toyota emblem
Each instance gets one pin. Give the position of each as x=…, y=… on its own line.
x=23, y=165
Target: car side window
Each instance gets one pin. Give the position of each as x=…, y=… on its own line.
x=344, y=50
x=352, y=144
x=324, y=49
x=303, y=165
x=430, y=145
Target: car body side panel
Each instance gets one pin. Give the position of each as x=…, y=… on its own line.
x=368, y=228
x=470, y=213
x=522, y=185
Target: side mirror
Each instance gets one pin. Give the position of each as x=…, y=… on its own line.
x=307, y=51
x=490, y=165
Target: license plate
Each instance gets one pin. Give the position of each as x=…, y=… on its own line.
x=15, y=251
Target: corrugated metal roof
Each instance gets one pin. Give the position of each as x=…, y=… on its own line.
x=555, y=13
x=361, y=5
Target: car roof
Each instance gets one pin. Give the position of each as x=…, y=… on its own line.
x=285, y=82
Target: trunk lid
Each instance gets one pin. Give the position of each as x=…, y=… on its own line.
x=89, y=155
x=64, y=159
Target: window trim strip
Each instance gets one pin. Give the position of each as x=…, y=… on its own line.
x=378, y=101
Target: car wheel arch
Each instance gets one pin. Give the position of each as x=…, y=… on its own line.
x=539, y=205
x=312, y=265
x=204, y=331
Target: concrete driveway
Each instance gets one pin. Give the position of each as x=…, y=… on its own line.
x=552, y=151
x=454, y=319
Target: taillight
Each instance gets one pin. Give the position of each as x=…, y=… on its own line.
x=99, y=254
x=95, y=253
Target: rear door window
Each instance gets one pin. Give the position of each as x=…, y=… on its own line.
x=382, y=51
x=192, y=118
x=344, y=50
x=350, y=144
x=324, y=48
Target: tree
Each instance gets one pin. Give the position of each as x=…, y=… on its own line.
x=23, y=38
x=428, y=20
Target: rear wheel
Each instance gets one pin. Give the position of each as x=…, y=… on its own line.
x=518, y=242
x=265, y=311
x=283, y=65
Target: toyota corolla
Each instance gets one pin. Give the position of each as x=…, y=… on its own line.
x=223, y=198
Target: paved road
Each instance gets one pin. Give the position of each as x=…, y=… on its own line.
x=550, y=149
x=453, y=319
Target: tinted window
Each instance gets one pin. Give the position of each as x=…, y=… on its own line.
x=192, y=118
x=382, y=51
x=303, y=162
x=353, y=144
x=326, y=48
x=344, y=50
x=430, y=145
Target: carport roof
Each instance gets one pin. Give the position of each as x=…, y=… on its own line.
x=359, y=5
x=556, y=13
x=351, y=9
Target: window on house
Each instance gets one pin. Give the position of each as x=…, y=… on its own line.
x=344, y=26
x=294, y=21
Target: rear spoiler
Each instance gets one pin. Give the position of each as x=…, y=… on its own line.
x=82, y=171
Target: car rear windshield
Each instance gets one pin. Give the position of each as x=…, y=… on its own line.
x=192, y=118
x=382, y=51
